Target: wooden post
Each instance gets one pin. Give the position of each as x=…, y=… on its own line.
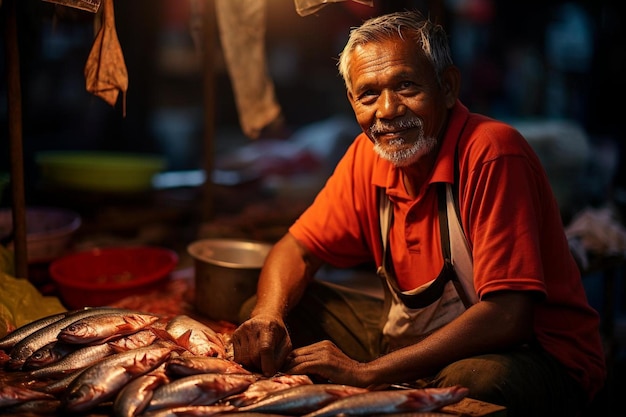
x=14, y=103
x=209, y=42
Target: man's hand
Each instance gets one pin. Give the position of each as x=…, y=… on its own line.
x=263, y=343
x=327, y=362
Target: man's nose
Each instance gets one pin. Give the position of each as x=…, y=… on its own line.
x=390, y=106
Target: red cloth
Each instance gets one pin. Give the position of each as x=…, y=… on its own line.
x=509, y=215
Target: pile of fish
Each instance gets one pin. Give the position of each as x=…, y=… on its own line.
x=122, y=362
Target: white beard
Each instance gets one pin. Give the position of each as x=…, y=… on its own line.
x=406, y=156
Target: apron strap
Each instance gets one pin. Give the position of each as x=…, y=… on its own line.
x=385, y=220
x=385, y=271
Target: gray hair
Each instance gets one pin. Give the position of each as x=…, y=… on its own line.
x=411, y=25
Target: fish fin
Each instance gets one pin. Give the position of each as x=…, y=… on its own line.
x=210, y=385
x=213, y=337
x=134, y=322
x=340, y=391
x=163, y=334
x=117, y=348
x=184, y=339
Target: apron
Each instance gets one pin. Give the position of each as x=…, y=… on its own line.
x=412, y=315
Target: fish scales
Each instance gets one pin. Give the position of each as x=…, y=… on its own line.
x=201, y=389
x=393, y=401
x=302, y=398
x=103, y=380
x=23, y=349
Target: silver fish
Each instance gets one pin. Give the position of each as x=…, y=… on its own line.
x=103, y=380
x=196, y=337
x=302, y=399
x=105, y=327
x=15, y=394
x=81, y=358
x=60, y=386
x=393, y=401
x=134, y=397
x=45, y=407
x=192, y=364
x=49, y=354
x=193, y=410
x=10, y=339
x=264, y=387
x=201, y=389
x=36, y=340
x=133, y=341
x=252, y=414
x=415, y=414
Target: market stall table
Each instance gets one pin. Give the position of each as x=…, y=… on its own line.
x=175, y=300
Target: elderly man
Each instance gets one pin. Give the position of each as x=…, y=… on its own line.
x=456, y=210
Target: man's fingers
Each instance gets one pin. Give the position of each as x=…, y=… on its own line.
x=267, y=354
x=245, y=348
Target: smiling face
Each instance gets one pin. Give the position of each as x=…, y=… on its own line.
x=397, y=100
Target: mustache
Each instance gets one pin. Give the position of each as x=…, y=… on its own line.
x=382, y=127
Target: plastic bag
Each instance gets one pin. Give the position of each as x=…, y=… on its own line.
x=20, y=302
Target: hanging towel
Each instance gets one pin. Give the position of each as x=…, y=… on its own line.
x=241, y=25
x=307, y=7
x=105, y=70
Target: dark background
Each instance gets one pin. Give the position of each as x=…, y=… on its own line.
x=520, y=59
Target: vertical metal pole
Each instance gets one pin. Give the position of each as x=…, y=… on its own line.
x=209, y=42
x=14, y=103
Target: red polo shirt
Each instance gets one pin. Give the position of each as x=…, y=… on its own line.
x=509, y=215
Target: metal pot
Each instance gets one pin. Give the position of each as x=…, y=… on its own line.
x=226, y=275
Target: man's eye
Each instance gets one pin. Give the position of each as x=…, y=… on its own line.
x=368, y=96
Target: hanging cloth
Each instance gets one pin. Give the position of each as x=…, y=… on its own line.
x=307, y=7
x=105, y=70
x=241, y=25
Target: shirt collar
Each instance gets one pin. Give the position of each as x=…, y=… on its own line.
x=444, y=166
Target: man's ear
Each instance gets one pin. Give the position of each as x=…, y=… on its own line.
x=451, y=84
